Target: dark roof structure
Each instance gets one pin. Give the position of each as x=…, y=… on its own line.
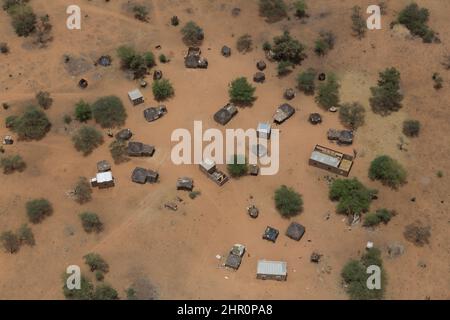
x=194, y=60
x=226, y=51
x=253, y=169
x=152, y=113
x=103, y=166
x=346, y=137
x=253, y=211
x=138, y=149
x=225, y=114
x=315, y=118
x=284, y=112
x=124, y=134
x=259, y=77
x=233, y=261
x=271, y=234
x=104, y=61
x=157, y=75
x=295, y=231
x=142, y=176
x=289, y=94
x=261, y=65
x=185, y=183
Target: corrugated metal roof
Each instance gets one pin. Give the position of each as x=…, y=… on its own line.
x=325, y=159
x=276, y=268
x=104, y=177
x=135, y=94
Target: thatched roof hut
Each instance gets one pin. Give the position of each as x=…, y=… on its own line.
x=295, y=231
x=225, y=114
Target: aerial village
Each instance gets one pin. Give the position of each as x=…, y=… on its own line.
x=324, y=217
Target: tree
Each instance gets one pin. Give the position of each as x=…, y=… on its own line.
x=105, y=292
x=288, y=202
x=388, y=171
x=241, y=91
x=10, y=242
x=44, y=99
x=85, y=292
x=193, y=35
x=325, y=43
x=25, y=235
x=86, y=139
x=135, y=62
x=82, y=191
x=272, y=10
x=23, y=19
x=83, y=111
x=43, y=29
x=415, y=19
x=286, y=48
x=358, y=23
x=305, y=81
x=162, y=89
x=284, y=67
x=38, y=210
x=352, y=196
x=109, y=112
x=352, y=115
x=411, y=128
x=141, y=12
x=377, y=217
x=238, y=167
x=328, y=95
x=300, y=9
x=91, y=222
x=149, y=59
x=118, y=149
x=11, y=164
x=417, y=233
x=32, y=125
x=163, y=58
x=244, y=43
x=386, y=97
x=96, y=262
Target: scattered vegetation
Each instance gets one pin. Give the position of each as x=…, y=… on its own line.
x=194, y=194
x=446, y=62
x=10, y=242
x=358, y=23
x=193, y=35
x=286, y=48
x=91, y=222
x=438, y=81
x=10, y=164
x=43, y=30
x=141, y=12
x=82, y=191
x=32, y=125
x=354, y=198
x=241, y=91
x=417, y=233
x=328, y=93
x=86, y=139
x=288, y=202
x=284, y=67
x=85, y=292
x=388, y=171
x=23, y=18
x=355, y=276
x=411, y=128
x=352, y=115
x=4, y=49
x=386, y=97
x=118, y=149
x=162, y=89
x=109, y=112
x=244, y=43
x=377, y=217
x=38, y=210
x=44, y=99
x=238, y=167
x=96, y=262
x=272, y=10
x=324, y=43
x=306, y=81
x=301, y=8
x=25, y=235
x=67, y=119
x=83, y=111
x=105, y=292
x=440, y=174
x=415, y=19
x=135, y=62
x=163, y=59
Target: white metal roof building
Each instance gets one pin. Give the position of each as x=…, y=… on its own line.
x=271, y=270
x=136, y=96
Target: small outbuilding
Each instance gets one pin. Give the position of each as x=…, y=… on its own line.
x=226, y=51
x=185, y=183
x=154, y=113
x=261, y=65
x=271, y=234
x=138, y=149
x=253, y=169
x=295, y=231
x=263, y=130
x=193, y=59
x=103, y=180
x=142, y=176
x=8, y=140
x=124, y=134
x=136, y=97
x=271, y=270
x=315, y=118
x=157, y=75
x=235, y=255
x=284, y=112
x=253, y=211
x=225, y=114
x=259, y=77
x=289, y=94
x=103, y=166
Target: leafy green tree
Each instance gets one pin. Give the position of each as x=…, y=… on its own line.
x=238, y=167
x=11, y=164
x=23, y=19
x=301, y=9
x=352, y=196
x=96, y=262
x=25, y=235
x=86, y=139
x=325, y=43
x=286, y=48
x=38, y=210
x=149, y=59
x=82, y=191
x=387, y=170
x=306, y=81
x=415, y=19
x=85, y=292
x=91, y=222
x=411, y=128
x=328, y=94
x=141, y=12
x=32, y=125
x=105, y=292
x=241, y=91
x=272, y=10
x=352, y=115
x=386, y=97
x=10, y=242
x=162, y=89
x=284, y=67
x=134, y=61
x=288, y=202
x=83, y=111
x=193, y=35
x=377, y=217
x=109, y=112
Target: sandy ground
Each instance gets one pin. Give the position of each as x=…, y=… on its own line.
x=176, y=250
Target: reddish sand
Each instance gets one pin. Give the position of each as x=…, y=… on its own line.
x=176, y=250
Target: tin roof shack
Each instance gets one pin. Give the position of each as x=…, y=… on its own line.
x=103, y=180
x=193, y=59
x=235, y=255
x=136, y=97
x=138, y=149
x=295, y=231
x=271, y=234
x=263, y=130
x=331, y=160
x=225, y=114
x=271, y=270
x=284, y=112
x=103, y=166
x=208, y=167
x=152, y=113
x=185, y=183
x=143, y=176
